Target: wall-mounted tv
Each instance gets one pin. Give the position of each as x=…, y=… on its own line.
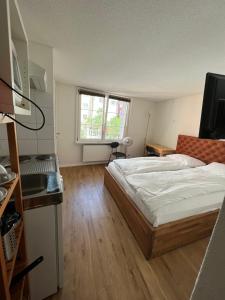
x=212, y=124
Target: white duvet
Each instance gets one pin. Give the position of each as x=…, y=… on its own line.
x=159, y=189
x=171, y=162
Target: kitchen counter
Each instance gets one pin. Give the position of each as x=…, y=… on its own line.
x=40, y=166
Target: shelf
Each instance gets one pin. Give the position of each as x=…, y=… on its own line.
x=11, y=264
x=10, y=187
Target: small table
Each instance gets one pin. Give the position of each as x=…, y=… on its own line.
x=159, y=149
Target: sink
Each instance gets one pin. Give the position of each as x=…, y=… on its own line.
x=33, y=184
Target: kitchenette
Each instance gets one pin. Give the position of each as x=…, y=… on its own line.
x=42, y=191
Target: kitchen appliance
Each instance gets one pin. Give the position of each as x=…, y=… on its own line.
x=17, y=81
x=44, y=157
x=24, y=158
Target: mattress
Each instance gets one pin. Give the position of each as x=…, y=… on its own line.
x=173, y=211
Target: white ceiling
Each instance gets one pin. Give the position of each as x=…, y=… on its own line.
x=157, y=49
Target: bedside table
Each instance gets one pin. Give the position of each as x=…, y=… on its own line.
x=159, y=150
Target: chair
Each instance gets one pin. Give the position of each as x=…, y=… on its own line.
x=115, y=153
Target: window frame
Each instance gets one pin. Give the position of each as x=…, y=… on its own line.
x=105, y=112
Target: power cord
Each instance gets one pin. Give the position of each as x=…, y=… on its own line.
x=21, y=95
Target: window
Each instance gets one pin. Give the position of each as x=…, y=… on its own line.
x=102, y=117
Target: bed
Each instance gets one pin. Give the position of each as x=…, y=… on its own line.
x=155, y=241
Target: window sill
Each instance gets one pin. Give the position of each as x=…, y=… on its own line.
x=97, y=142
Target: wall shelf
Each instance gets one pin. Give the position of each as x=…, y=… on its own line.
x=10, y=187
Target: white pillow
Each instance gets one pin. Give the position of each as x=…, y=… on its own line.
x=187, y=160
x=216, y=169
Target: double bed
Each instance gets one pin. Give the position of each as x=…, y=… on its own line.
x=174, y=223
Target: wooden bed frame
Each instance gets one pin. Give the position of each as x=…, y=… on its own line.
x=155, y=241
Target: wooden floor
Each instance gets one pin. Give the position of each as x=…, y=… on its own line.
x=102, y=259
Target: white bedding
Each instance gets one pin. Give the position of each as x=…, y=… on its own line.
x=156, y=164
x=183, y=193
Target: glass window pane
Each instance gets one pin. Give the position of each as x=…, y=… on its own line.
x=110, y=116
x=97, y=118
x=84, y=116
x=90, y=132
x=116, y=119
x=91, y=117
x=112, y=107
x=98, y=103
x=92, y=102
x=83, y=131
x=113, y=133
x=85, y=101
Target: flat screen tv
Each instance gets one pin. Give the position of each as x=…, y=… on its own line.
x=212, y=123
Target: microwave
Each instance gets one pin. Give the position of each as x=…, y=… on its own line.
x=17, y=80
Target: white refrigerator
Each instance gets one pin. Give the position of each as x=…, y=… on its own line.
x=44, y=238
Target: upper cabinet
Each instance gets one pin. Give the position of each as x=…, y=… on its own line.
x=13, y=59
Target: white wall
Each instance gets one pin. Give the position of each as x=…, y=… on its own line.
x=68, y=151
x=141, y=111
x=31, y=142
x=173, y=117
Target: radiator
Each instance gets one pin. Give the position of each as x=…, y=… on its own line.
x=96, y=153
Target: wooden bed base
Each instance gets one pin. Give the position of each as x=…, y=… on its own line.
x=155, y=241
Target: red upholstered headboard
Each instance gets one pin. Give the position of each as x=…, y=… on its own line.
x=203, y=149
